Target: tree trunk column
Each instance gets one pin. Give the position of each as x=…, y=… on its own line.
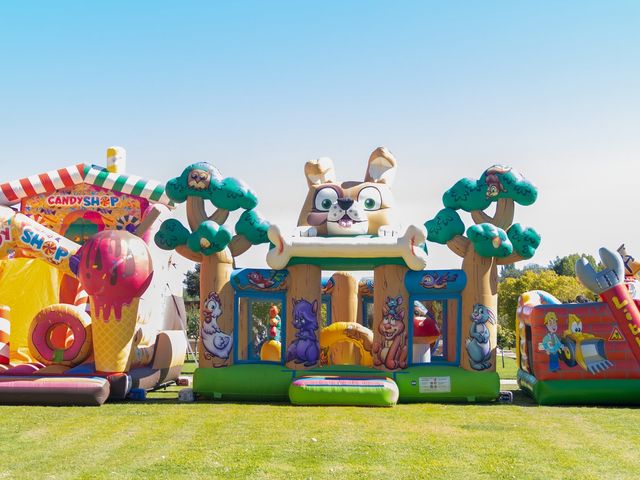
x=304, y=303
x=344, y=298
x=215, y=344
x=344, y=308
x=391, y=314
x=481, y=289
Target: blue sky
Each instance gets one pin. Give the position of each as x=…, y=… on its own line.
x=258, y=88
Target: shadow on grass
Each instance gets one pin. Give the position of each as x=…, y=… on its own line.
x=170, y=396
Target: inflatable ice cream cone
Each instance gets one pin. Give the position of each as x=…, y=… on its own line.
x=113, y=337
x=115, y=269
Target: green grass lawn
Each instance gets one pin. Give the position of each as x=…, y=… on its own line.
x=510, y=369
x=161, y=438
x=164, y=439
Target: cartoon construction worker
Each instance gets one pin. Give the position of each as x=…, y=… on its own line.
x=551, y=342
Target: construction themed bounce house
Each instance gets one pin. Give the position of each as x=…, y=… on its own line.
x=89, y=308
x=586, y=353
x=406, y=334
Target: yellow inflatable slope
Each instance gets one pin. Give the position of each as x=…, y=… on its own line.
x=27, y=286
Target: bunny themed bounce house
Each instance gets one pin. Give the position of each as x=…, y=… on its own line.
x=89, y=308
x=406, y=334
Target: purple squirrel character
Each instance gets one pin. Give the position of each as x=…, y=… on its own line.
x=305, y=348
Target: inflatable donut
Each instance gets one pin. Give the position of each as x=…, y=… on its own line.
x=43, y=328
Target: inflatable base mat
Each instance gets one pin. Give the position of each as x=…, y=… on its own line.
x=119, y=383
x=58, y=391
x=271, y=382
x=581, y=392
x=336, y=390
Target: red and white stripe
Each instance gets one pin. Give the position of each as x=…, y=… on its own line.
x=82, y=300
x=13, y=192
x=5, y=330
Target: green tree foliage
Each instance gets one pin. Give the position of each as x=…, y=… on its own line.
x=253, y=227
x=510, y=271
x=567, y=265
x=171, y=234
x=564, y=288
x=495, y=237
x=193, y=320
x=506, y=336
x=489, y=240
x=495, y=183
x=192, y=282
x=209, y=238
x=444, y=226
x=525, y=240
x=205, y=181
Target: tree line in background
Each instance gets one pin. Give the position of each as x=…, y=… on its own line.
x=558, y=278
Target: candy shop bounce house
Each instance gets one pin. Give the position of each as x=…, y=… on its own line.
x=89, y=307
x=407, y=334
x=586, y=353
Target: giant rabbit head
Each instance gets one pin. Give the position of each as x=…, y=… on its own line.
x=349, y=208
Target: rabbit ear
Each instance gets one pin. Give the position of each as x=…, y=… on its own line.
x=320, y=171
x=314, y=308
x=381, y=167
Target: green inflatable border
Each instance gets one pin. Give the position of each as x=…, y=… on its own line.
x=270, y=382
x=580, y=392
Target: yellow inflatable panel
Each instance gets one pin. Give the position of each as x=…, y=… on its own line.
x=27, y=286
x=337, y=334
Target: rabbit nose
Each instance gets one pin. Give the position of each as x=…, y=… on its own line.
x=345, y=203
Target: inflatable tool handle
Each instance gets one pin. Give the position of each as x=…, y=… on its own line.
x=626, y=313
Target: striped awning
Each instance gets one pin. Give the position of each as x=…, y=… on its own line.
x=13, y=192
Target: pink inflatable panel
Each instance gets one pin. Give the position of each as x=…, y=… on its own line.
x=34, y=390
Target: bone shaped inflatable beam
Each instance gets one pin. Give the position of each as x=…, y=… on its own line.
x=407, y=247
x=599, y=282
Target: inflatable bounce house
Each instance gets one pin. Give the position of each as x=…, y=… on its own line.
x=407, y=334
x=586, y=353
x=89, y=306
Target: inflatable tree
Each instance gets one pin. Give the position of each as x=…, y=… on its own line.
x=208, y=242
x=491, y=241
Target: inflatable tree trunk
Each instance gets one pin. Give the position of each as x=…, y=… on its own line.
x=344, y=298
x=391, y=314
x=303, y=314
x=209, y=243
x=482, y=253
x=344, y=308
x=481, y=289
x=492, y=241
x=216, y=304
